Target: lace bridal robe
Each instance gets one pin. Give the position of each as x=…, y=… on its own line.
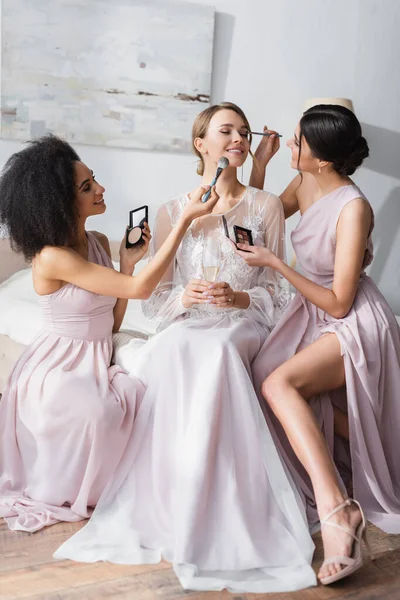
x=206, y=490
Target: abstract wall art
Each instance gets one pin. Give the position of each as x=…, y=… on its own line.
x=123, y=73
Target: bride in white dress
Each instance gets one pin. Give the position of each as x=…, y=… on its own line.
x=207, y=490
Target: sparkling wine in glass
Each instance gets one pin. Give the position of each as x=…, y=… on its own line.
x=211, y=256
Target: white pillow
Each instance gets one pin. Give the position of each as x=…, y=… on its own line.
x=21, y=315
x=134, y=318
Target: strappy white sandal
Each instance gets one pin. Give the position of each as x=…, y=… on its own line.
x=354, y=561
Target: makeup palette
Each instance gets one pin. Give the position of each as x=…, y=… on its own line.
x=243, y=235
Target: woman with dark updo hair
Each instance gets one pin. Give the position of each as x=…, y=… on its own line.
x=330, y=371
x=66, y=415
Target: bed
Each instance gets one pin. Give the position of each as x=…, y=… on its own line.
x=20, y=313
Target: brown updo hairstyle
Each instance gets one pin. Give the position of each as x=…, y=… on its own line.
x=202, y=121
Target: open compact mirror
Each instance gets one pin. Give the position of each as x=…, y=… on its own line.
x=137, y=218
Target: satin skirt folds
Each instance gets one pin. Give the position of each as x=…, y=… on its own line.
x=369, y=337
x=63, y=431
x=205, y=488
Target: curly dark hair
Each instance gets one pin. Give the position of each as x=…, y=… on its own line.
x=37, y=196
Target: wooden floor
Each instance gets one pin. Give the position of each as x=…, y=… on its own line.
x=27, y=570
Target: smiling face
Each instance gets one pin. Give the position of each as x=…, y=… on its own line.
x=227, y=135
x=308, y=163
x=89, y=194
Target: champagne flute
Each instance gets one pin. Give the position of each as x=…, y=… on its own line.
x=211, y=260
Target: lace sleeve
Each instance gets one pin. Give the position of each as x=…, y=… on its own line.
x=272, y=293
x=164, y=305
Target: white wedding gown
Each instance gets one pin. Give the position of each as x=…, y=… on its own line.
x=207, y=489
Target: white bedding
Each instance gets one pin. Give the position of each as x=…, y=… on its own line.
x=21, y=320
x=21, y=317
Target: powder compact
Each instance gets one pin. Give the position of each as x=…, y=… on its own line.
x=134, y=233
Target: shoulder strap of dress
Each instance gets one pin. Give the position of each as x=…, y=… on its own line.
x=99, y=254
x=351, y=193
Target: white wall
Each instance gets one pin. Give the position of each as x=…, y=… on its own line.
x=270, y=55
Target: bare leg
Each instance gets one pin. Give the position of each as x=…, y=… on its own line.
x=318, y=368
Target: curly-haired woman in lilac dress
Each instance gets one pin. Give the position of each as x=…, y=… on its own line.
x=66, y=415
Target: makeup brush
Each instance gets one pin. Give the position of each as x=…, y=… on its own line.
x=265, y=134
x=222, y=164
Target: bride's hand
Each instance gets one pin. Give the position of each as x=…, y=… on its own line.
x=257, y=256
x=221, y=295
x=130, y=256
x=195, y=208
x=194, y=293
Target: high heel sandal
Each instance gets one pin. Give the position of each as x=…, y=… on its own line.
x=354, y=561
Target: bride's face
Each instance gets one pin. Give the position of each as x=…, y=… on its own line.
x=227, y=135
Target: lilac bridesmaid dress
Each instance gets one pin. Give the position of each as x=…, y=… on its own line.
x=369, y=464
x=66, y=415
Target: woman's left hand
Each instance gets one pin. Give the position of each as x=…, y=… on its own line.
x=221, y=295
x=130, y=256
x=257, y=256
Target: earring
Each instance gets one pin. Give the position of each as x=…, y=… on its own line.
x=319, y=169
x=241, y=177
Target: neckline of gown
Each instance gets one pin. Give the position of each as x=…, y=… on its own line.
x=341, y=187
x=242, y=197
